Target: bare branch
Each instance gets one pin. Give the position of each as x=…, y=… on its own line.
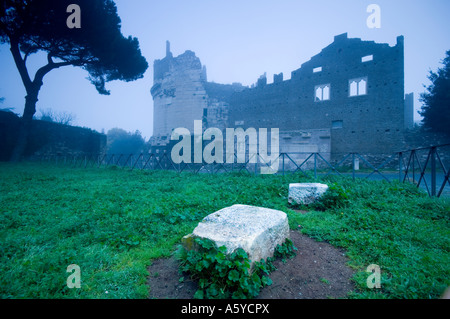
x=49, y=58
x=20, y=63
x=38, y=78
x=27, y=54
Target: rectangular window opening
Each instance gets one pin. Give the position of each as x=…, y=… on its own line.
x=367, y=58
x=337, y=124
x=318, y=69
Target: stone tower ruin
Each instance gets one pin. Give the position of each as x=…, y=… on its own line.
x=348, y=98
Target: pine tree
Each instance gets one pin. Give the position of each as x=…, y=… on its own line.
x=436, y=99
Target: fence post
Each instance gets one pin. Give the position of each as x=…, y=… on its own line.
x=400, y=166
x=283, y=162
x=433, y=171
x=315, y=165
x=353, y=166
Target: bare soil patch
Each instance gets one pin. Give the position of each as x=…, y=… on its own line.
x=318, y=271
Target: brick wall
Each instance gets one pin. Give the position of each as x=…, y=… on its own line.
x=371, y=122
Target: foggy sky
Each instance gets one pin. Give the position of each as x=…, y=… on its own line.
x=237, y=41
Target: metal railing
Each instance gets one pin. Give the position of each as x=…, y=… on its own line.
x=424, y=167
x=432, y=158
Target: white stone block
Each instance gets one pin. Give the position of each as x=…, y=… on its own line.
x=256, y=230
x=305, y=193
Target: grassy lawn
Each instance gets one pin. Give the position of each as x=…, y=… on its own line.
x=112, y=222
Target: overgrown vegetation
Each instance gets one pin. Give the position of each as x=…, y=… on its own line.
x=113, y=222
x=222, y=276
x=393, y=225
x=60, y=117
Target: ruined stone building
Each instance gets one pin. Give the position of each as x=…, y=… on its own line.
x=348, y=98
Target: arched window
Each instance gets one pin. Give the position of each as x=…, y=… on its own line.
x=358, y=86
x=322, y=92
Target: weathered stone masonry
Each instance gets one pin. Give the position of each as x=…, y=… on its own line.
x=348, y=98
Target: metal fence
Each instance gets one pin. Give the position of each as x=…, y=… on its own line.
x=426, y=167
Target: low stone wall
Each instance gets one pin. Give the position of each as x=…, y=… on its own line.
x=49, y=139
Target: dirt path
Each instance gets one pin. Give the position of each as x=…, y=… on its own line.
x=318, y=271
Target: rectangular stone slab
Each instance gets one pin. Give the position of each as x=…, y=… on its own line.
x=305, y=193
x=256, y=230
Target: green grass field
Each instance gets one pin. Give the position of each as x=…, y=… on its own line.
x=113, y=222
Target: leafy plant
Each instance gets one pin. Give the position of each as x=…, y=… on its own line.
x=336, y=196
x=222, y=276
x=287, y=250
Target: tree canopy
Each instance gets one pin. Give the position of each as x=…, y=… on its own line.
x=95, y=44
x=436, y=99
x=99, y=47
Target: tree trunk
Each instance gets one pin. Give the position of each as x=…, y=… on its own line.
x=32, y=88
x=25, y=125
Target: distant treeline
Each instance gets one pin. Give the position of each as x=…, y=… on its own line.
x=120, y=141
